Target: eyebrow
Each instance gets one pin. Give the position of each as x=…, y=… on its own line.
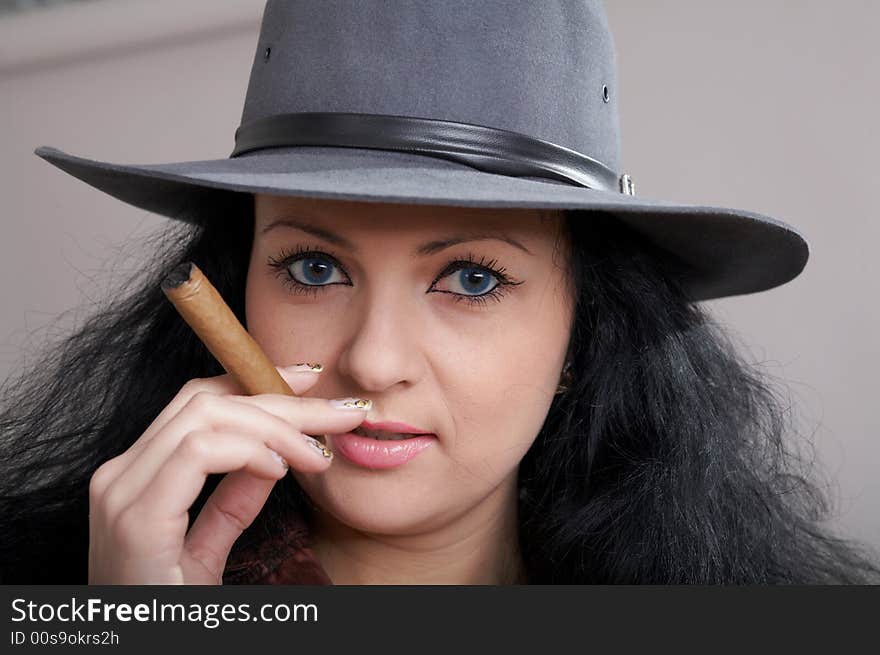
x=428, y=248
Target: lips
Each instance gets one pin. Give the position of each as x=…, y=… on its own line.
x=377, y=454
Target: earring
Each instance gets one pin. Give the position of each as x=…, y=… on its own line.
x=565, y=379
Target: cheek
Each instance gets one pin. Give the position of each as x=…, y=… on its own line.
x=262, y=321
x=271, y=322
x=499, y=403
x=286, y=330
x=514, y=368
x=502, y=394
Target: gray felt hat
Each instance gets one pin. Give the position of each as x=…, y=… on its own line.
x=498, y=103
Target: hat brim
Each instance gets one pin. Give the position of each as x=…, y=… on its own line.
x=725, y=251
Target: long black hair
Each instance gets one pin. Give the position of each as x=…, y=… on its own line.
x=667, y=460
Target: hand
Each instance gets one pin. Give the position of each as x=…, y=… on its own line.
x=139, y=500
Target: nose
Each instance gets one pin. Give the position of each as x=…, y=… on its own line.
x=383, y=349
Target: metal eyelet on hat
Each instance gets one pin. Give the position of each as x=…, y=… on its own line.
x=267, y=54
x=605, y=95
x=627, y=186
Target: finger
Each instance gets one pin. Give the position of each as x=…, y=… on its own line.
x=299, y=382
x=176, y=486
x=316, y=416
x=229, y=510
x=210, y=413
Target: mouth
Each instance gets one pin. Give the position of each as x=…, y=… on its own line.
x=371, y=448
x=383, y=435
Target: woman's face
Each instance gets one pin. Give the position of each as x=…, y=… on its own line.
x=387, y=301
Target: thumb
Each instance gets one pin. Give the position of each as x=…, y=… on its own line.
x=239, y=496
x=300, y=377
x=229, y=510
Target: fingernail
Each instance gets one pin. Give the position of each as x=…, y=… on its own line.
x=304, y=367
x=279, y=458
x=351, y=403
x=319, y=448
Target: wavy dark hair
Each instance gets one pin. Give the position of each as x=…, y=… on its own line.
x=666, y=461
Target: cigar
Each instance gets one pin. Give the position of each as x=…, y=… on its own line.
x=204, y=309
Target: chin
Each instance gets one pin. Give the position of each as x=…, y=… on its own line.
x=381, y=508
x=376, y=518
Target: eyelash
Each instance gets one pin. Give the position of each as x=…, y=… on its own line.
x=287, y=257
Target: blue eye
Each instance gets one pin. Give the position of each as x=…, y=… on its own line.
x=473, y=280
x=308, y=271
x=313, y=271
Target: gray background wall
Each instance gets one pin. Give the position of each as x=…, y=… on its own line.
x=768, y=105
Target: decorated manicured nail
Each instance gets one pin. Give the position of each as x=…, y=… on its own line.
x=351, y=403
x=320, y=448
x=279, y=458
x=304, y=367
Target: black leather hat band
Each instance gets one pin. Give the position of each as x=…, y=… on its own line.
x=484, y=148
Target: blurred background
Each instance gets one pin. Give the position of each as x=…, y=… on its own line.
x=765, y=105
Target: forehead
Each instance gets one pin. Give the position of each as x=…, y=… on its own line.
x=353, y=214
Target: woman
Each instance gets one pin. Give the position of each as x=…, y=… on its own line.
x=587, y=421
x=664, y=461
